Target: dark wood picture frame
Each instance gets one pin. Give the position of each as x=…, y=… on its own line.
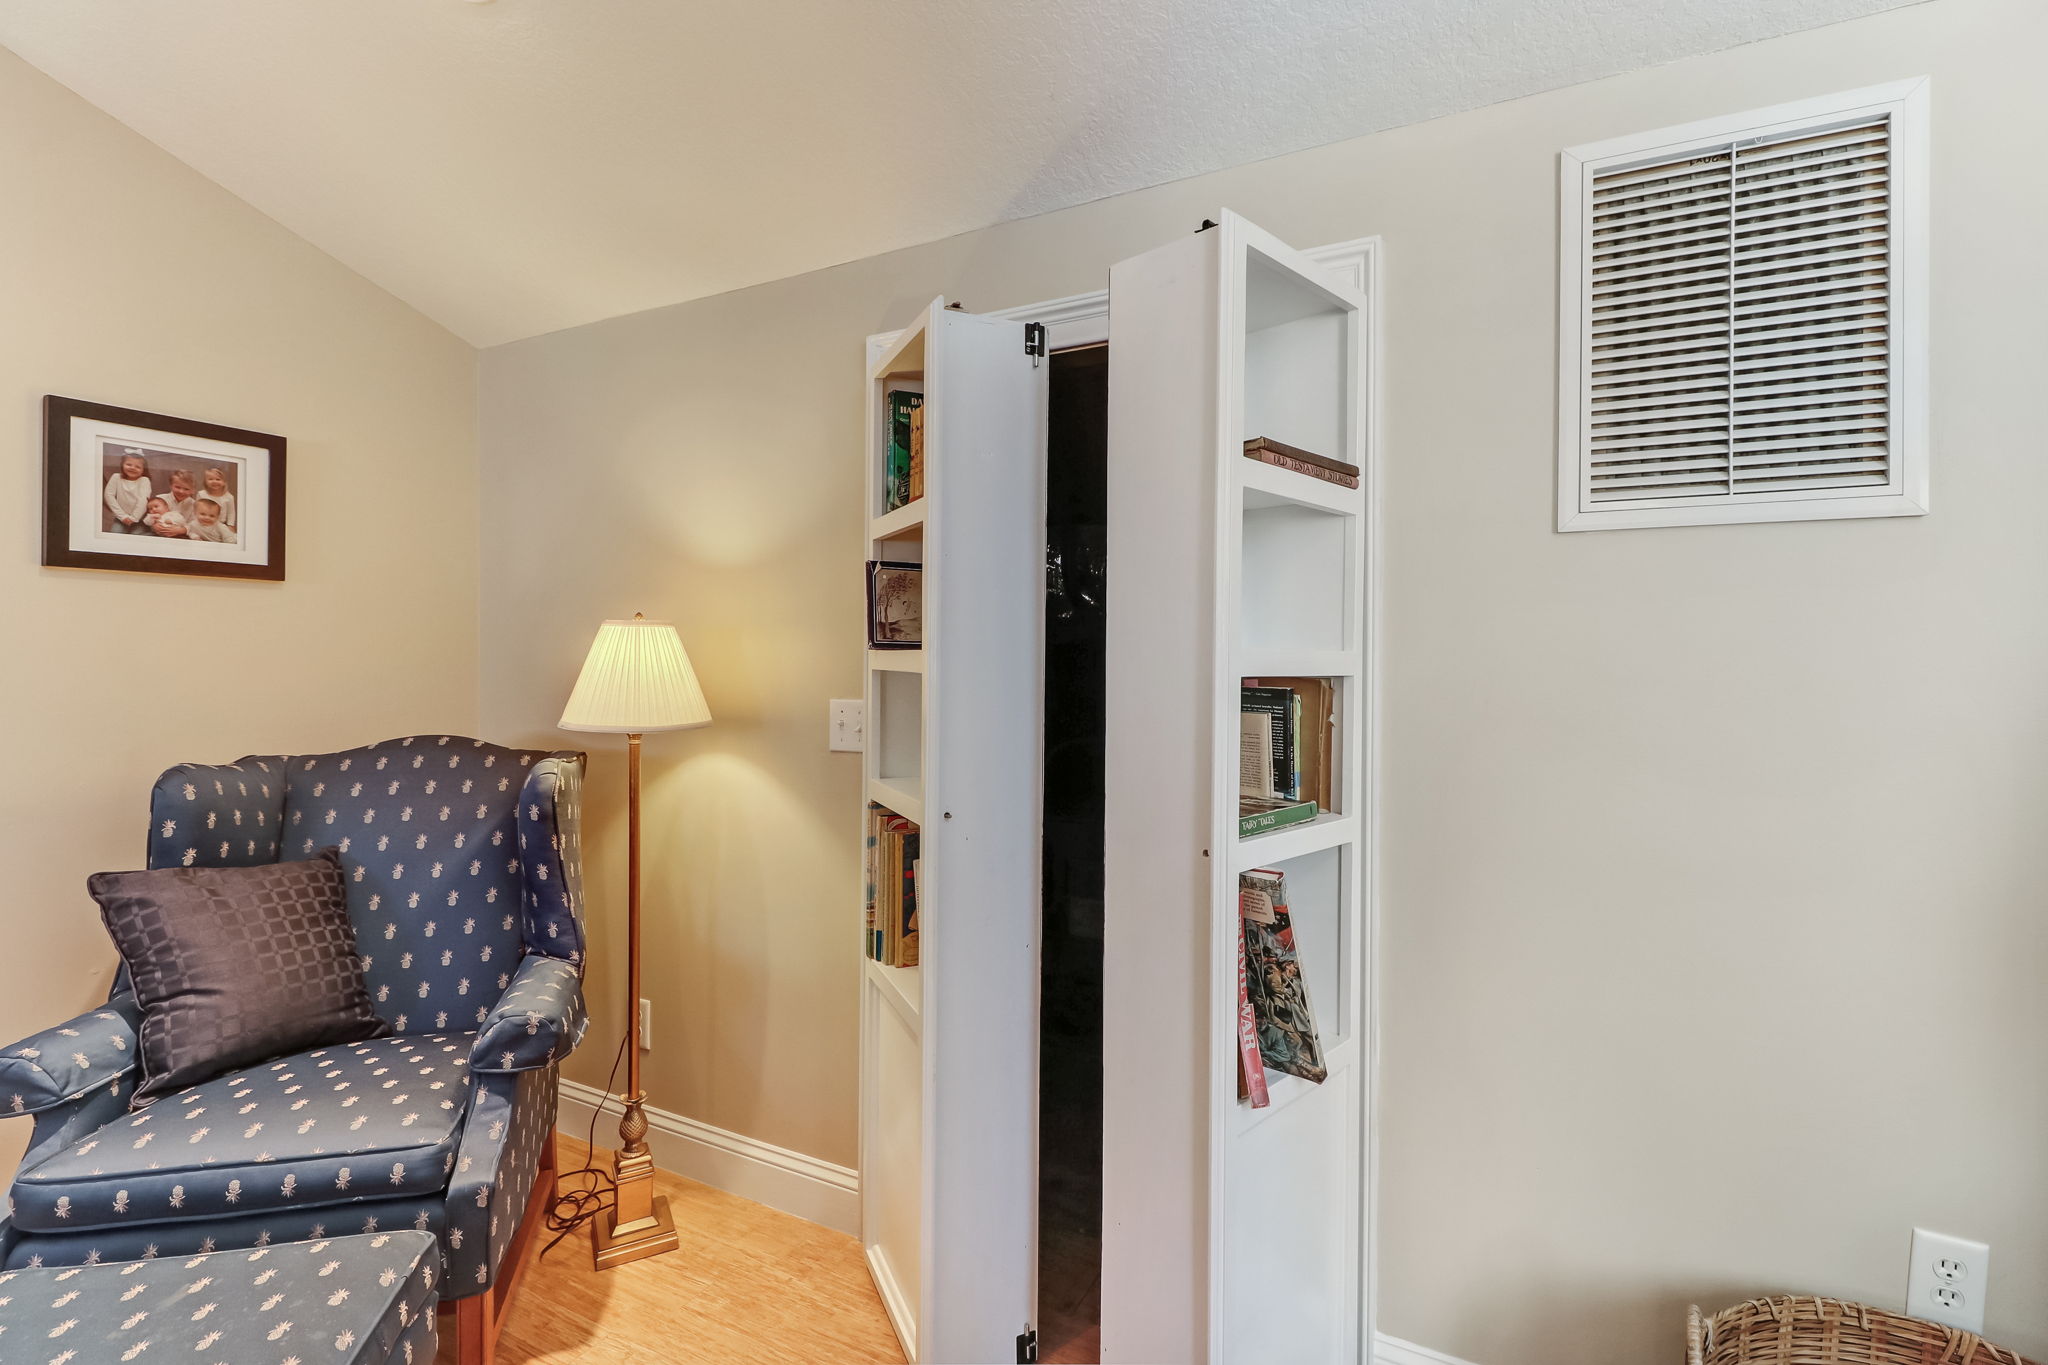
x=58, y=551
x=876, y=638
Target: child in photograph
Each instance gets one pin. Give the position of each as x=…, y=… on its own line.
x=128, y=494
x=216, y=487
x=159, y=509
x=208, y=524
x=179, y=501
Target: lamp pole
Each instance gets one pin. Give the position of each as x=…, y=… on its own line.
x=640, y=1224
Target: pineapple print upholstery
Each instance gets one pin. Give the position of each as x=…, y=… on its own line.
x=366, y=1300
x=462, y=868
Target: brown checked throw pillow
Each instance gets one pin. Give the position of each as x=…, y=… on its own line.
x=236, y=965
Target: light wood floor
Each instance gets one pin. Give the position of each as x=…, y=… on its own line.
x=748, y=1284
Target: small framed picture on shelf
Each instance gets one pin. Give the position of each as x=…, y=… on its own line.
x=145, y=493
x=895, y=605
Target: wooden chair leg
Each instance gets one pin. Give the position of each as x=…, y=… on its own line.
x=479, y=1317
x=476, y=1338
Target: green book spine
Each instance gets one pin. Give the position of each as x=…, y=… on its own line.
x=1265, y=821
x=896, y=474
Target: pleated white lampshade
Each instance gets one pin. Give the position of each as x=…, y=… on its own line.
x=637, y=679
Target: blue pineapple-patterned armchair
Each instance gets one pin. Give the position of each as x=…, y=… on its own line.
x=464, y=886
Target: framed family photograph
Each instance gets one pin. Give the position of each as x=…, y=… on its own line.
x=146, y=493
x=895, y=605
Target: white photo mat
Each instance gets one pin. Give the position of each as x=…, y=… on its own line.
x=89, y=439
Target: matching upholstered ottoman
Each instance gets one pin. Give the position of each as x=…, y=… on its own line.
x=364, y=1300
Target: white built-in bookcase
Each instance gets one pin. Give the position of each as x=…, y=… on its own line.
x=949, y=1048
x=1228, y=1234
x=1231, y=1233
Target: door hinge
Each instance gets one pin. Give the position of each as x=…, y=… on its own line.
x=1027, y=1340
x=1034, y=341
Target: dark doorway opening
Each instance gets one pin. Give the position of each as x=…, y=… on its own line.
x=1070, y=994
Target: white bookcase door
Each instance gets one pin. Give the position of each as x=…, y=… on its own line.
x=1230, y=1233
x=949, y=1048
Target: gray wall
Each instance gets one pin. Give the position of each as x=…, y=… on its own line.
x=1713, y=881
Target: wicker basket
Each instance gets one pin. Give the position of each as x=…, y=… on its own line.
x=1802, y=1331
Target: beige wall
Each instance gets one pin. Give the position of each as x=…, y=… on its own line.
x=1713, y=878
x=127, y=278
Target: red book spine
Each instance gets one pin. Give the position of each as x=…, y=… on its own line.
x=1252, y=1067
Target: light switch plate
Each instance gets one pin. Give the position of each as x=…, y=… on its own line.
x=1947, y=1280
x=848, y=721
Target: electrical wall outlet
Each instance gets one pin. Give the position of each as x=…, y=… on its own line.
x=1947, y=1280
x=848, y=720
x=647, y=1026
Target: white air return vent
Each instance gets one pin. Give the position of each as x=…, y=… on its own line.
x=1743, y=315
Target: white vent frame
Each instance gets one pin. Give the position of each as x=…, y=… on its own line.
x=1905, y=105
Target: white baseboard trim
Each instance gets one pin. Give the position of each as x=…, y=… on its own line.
x=803, y=1185
x=893, y=1301
x=1388, y=1350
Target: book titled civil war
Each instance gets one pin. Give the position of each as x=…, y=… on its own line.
x=1288, y=1040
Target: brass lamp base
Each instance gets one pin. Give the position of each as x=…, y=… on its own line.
x=650, y=1236
x=638, y=1224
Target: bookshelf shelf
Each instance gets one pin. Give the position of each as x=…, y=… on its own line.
x=948, y=1200
x=1232, y=1232
x=1297, y=663
x=901, y=986
x=1267, y=486
x=896, y=660
x=1311, y=836
x=899, y=523
x=1285, y=1090
x=905, y=796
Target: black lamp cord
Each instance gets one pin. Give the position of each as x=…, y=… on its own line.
x=572, y=1209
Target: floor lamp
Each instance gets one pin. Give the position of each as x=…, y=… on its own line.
x=636, y=680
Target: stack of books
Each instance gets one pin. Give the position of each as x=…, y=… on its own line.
x=903, y=472
x=1266, y=450
x=1275, y=1026
x=892, y=877
x=1286, y=728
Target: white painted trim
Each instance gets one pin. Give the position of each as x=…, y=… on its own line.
x=1388, y=1350
x=893, y=1301
x=1370, y=255
x=1907, y=104
x=791, y=1181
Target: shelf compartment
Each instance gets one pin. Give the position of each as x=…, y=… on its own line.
x=904, y=359
x=896, y=727
x=1320, y=906
x=1297, y=359
x=1295, y=576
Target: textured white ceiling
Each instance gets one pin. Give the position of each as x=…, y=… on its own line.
x=520, y=166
